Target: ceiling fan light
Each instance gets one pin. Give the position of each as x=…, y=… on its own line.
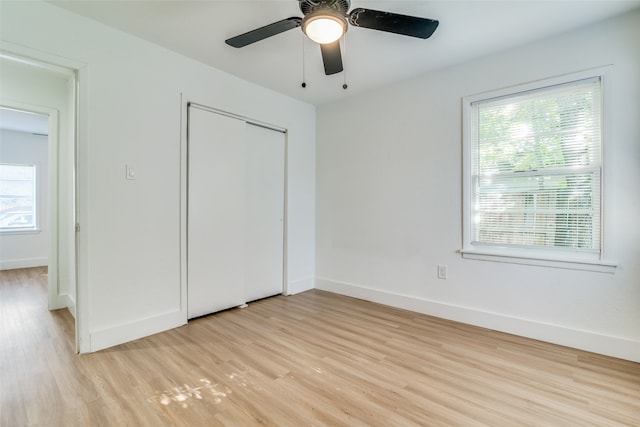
x=324, y=27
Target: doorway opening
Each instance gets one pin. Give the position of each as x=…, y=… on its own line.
x=37, y=174
x=24, y=189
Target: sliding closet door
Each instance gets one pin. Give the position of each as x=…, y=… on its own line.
x=235, y=212
x=265, y=212
x=216, y=207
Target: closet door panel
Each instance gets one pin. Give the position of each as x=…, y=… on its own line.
x=216, y=212
x=265, y=178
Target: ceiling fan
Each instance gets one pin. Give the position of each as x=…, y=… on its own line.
x=326, y=21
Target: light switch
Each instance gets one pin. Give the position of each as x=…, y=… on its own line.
x=131, y=172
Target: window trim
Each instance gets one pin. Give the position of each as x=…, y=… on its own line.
x=539, y=257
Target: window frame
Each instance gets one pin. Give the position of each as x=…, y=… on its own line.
x=35, y=228
x=549, y=257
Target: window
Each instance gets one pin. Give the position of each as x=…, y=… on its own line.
x=17, y=197
x=533, y=171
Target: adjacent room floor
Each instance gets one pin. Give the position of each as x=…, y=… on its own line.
x=311, y=359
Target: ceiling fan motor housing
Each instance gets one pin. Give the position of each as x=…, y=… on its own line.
x=309, y=6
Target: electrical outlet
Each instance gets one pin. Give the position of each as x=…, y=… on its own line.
x=442, y=271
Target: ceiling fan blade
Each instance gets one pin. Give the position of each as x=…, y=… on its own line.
x=412, y=26
x=331, y=57
x=264, y=32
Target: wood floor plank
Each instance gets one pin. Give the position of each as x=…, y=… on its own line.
x=313, y=359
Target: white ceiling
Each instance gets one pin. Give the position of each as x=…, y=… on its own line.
x=468, y=29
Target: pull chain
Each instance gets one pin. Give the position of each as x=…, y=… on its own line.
x=304, y=83
x=344, y=56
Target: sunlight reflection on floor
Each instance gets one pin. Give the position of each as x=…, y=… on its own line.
x=243, y=381
x=182, y=394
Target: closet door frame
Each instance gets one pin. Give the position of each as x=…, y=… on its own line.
x=185, y=101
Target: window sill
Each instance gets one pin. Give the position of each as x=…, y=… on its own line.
x=599, y=266
x=20, y=231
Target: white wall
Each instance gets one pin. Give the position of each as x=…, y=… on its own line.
x=389, y=197
x=130, y=239
x=27, y=249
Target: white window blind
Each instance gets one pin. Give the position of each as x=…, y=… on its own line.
x=536, y=169
x=17, y=197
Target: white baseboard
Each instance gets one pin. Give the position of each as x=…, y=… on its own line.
x=63, y=301
x=121, y=334
x=297, y=286
x=70, y=303
x=618, y=347
x=12, y=264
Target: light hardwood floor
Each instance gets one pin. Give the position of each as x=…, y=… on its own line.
x=314, y=359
